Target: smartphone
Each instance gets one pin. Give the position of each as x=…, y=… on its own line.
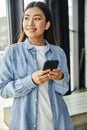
x=50, y=64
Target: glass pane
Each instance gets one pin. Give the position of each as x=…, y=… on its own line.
x=4, y=27
x=26, y=2
x=70, y=14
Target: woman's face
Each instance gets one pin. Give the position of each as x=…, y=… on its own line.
x=34, y=23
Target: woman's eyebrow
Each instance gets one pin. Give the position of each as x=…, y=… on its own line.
x=34, y=15
x=37, y=15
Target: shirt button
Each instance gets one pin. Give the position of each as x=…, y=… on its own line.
x=34, y=126
x=35, y=100
x=34, y=112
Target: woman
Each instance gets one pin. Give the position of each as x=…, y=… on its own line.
x=37, y=93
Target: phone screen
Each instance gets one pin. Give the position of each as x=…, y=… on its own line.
x=51, y=64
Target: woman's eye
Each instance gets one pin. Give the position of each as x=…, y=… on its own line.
x=25, y=18
x=37, y=19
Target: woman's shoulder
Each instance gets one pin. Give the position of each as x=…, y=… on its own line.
x=14, y=46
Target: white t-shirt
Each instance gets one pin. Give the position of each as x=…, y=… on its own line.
x=45, y=118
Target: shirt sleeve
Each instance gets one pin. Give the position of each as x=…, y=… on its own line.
x=62, y=86
x=9, y=87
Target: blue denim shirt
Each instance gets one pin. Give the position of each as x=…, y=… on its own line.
x=16, y=67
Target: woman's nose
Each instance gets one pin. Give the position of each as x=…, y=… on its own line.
x=31, y=22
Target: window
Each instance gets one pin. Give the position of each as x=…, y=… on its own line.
x=4, y=27
x=70, y=14
x=73, y=34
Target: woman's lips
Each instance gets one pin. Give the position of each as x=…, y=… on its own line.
x=32, y=29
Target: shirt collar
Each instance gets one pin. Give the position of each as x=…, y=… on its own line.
x=30, y=46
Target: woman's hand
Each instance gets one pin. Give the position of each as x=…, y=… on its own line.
x=55, y=74
x=40, y=76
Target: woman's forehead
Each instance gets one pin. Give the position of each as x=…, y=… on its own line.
x=34, y=11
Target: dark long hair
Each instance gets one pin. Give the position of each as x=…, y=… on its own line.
x=48, y=34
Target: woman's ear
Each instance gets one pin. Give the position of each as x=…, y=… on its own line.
x=47, y=25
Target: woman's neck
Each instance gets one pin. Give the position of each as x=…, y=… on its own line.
x=37, y=42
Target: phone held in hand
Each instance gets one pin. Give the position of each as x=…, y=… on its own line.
x=50, y=64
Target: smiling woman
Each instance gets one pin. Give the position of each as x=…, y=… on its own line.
x=34, y=24
x=38, y=102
